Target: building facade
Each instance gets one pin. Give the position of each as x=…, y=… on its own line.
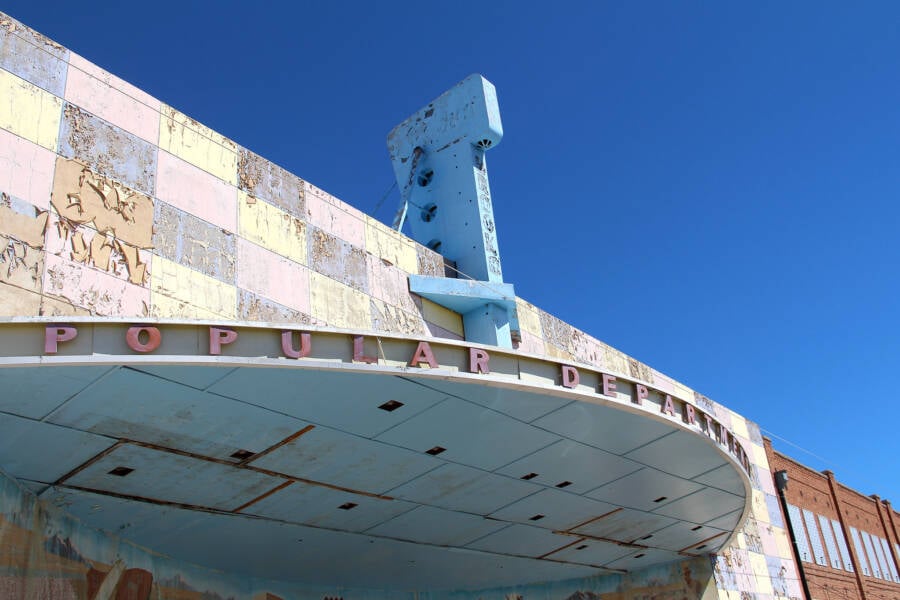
x=209, y=366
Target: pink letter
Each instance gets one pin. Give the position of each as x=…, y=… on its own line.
x=133, y=338
x=359, y=352
x=217, y=337
x=287, y=344
x=54, y=334
x=609, y=385
x=478, y=361
x=424, y=354
x=690, y=416
x=668, y=406
x=640, y=393
x=570, y=377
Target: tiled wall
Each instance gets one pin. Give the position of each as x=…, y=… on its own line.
x=114, y=204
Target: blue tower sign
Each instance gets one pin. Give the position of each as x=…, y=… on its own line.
x=438, y=158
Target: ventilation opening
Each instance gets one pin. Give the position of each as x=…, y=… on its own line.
x=529, y=476
x=700, y=547
x=563, y=484
x=698, y=527
x=391, y=405
x=434, y=245
x=485, y=143
x=121, y=471
x=429, y=212
x=647, y=537
x=581, y=547
x=425, y=177
x=436, y=450
x=661, y=498
x=348, y=505
x=536, y=518
x=242, y=454
x=639, y=555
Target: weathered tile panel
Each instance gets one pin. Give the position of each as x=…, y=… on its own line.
x=272, y=228
x=337, y=218
x=198, y=145
x=28, y=111
x=108, y=149
x=193, y=190
x=531, y=343
x=88, y=288
x=54, y=307
x=182, y=292
x=389, y=318
x=391, y=285
x=26, y=169
x=338, y=305
x=338, y=259
x=267, y=181
x=22, y=227
x=32, y=56
x=389, y=245
x=253, y=307
x=113, y=100
x=192, y=242
x=430, y=262
x=272, y=276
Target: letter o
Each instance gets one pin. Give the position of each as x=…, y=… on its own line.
x=133, y=338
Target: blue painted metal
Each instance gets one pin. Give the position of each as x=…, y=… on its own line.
x=438, y=159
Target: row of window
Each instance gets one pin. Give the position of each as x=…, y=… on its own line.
x=810, y=529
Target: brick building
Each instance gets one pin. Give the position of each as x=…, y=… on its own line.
x=846, y=542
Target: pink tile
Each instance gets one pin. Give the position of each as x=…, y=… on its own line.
x=26, y=170
x=95, y=290
x=328, y=214
x=112, y=99
x=272, y=276
x=663, y=383
x=531, y=343
x=389, y=284
x=194, y=190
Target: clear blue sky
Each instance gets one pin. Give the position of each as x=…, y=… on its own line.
x=711, y=187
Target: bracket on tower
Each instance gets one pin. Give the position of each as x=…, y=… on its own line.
x=438, y=160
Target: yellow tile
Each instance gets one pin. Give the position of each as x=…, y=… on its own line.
x=782, y=542
x=389, y=245
x=197, y=144
x=28, y=111
x=759, y=509
x=684, y=392
x=761, y=571
x=528, y=318
x=181, y=292
x=271, y=228
x=442, y=317
x=337, y=304
x=758, y=456
x=739, y=426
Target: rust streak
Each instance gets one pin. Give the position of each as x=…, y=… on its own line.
x=278, y=445
x=222, y=461
x=89, y=462
x=603, y=516
x=277, y=488
x=563, y=547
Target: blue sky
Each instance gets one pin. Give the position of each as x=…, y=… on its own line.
x=710, y=187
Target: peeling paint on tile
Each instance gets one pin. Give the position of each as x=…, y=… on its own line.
x=198, y=145
x=266, y=180
x=391, y=285
x=54, y=307
x=271, y=228
x=330, y=214
x=430, y=262
x=192, y=242
x=112, y=99
x=99, y=292
x=182, y=292
x=32, y=56
x=21, y=239
x=252, y=307
x=108, y=149
x=101, y=222
x=391, y=319
x=389, y=245
x=28, y=111
x=339, y=260
x=26, y=169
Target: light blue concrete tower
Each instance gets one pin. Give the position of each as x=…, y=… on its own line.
x=438, y=158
